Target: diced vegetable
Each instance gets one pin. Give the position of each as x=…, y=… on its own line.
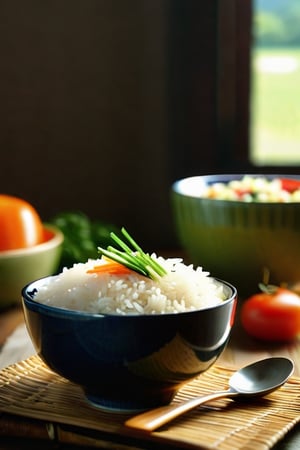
x=255, y=189
x=289, y=184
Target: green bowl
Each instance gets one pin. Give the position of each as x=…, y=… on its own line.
x=19, y=267
x=234, y=240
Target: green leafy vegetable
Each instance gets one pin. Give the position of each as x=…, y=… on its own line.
x=82, y=236
x=133, y=257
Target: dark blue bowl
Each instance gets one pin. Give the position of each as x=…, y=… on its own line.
x=132, y=362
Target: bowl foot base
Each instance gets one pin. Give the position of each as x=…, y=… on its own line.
x=125, y=405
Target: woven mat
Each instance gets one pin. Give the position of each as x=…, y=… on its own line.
x=29, y=389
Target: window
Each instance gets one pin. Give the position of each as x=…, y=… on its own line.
x=275, y=81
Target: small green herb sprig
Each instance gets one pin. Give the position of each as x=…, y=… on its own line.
x=133, y=257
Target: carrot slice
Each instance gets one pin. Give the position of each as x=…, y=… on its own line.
x=111, y=267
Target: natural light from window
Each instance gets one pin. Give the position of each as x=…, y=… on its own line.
x=275, y=95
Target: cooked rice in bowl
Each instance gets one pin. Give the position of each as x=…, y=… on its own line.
x=183, y=288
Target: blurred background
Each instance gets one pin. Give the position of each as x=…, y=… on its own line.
x=103, y=104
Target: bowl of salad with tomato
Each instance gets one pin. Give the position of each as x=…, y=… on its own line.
x=239, y=225
x=29, y=249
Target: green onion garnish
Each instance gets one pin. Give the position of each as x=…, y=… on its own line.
x=132, y=256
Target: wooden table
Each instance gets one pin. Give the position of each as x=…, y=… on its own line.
x=241, y=350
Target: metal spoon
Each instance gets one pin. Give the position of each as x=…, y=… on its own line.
x=257, y=380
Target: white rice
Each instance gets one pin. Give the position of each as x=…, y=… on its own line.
x=182, y=289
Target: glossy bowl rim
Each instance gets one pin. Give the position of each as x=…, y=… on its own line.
x=64, y=312
x=177, y=186
x=51, y=243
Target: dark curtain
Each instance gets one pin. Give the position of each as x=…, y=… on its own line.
x=104, y=104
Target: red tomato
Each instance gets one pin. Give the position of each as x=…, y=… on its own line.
x=272, y=316
x=20, y=224
x=290, y=184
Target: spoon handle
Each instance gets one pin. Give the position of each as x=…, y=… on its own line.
x=150, y=420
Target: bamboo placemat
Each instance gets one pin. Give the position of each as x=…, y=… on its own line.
x=30, y=390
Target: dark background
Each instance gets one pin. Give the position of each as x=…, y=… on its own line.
x=103, y=104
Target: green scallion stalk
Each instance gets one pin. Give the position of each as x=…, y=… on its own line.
x=133, y=257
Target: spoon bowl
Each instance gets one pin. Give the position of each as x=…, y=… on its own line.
x=261, y=377
x=255, y=380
